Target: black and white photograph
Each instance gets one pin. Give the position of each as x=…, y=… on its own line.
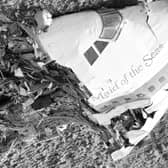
x=83, y=83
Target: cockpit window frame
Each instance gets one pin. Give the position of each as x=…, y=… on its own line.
x=115, y=30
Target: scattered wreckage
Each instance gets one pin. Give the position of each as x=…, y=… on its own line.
x=120, y=58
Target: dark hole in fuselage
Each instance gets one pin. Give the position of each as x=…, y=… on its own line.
x=4, y=100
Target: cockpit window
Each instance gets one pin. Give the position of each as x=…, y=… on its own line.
x=100, y=45
x=91, y=55
x=112, y=20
